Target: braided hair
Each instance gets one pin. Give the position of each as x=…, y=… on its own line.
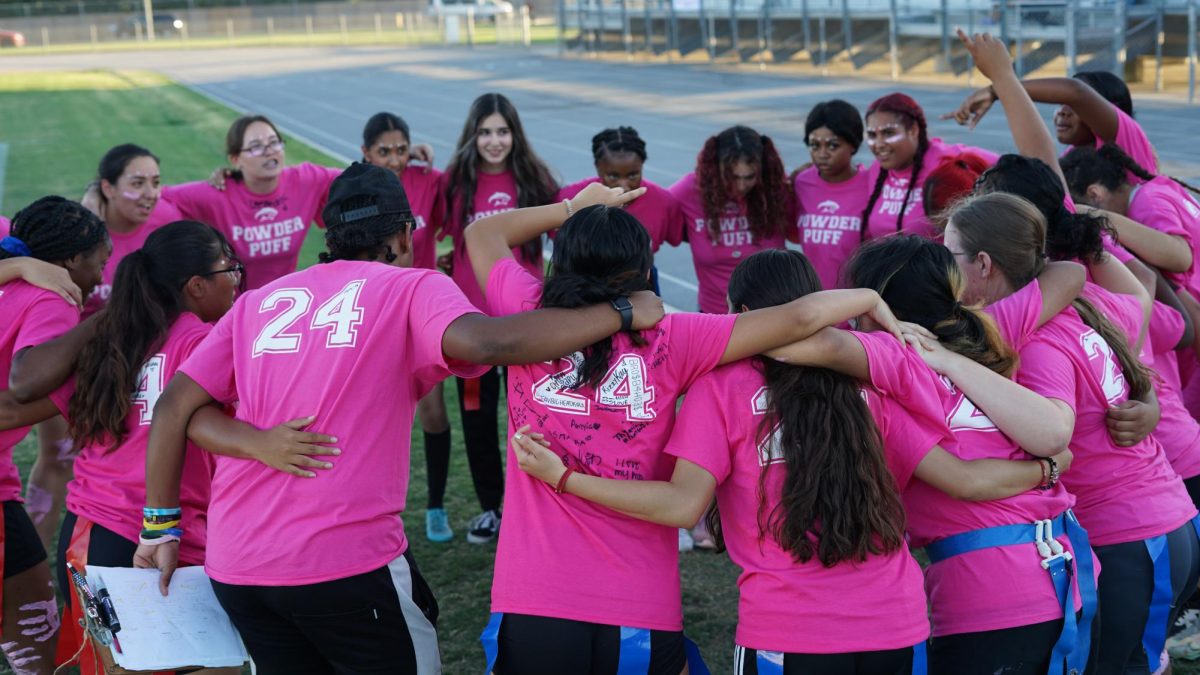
x=1107, y=166
x=54, y=229
x=600, y=254
x=1069, y=236
x=621, y=139
x=767, y=203
x=911, y=113
x=365, y=238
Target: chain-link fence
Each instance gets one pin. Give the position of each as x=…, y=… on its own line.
x=1151, y=42
x=109, y=24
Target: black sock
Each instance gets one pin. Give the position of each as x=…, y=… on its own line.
x=437, y=466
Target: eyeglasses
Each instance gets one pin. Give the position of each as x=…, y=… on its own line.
x=236, y=271
x=260, y=149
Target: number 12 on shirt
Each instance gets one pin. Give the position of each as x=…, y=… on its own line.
x=341, y=314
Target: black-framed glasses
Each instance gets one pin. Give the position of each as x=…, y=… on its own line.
x=260, y=149
x=237, y=271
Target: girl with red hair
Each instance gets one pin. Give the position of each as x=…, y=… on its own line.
x=898, y=136
x=735, y=204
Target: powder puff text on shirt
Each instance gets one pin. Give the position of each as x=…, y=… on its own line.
x=827, y=228
x=893, y=196
x=268, y=238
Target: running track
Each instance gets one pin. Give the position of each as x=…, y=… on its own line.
x=325, y=95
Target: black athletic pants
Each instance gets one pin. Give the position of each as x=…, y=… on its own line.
x=479, y=401
x=1023, y=650
x=22, y=546
x=539, y=645
x=1125, y=589
x=377, y=623
x=887, y=662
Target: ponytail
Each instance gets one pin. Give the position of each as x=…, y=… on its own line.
x=600, y=254
x=147, y=298
x=921, y=283
x=1139, y=378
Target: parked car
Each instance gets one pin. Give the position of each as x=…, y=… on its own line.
x=484, y=9
x=165, y=25
x=11, y=38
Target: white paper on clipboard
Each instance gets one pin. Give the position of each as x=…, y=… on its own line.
x=186, y=628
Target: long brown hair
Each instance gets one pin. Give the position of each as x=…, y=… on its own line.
x=147, y=298
x=1013, y=232
x=535, y=184
x=921, y=283
x=766, y=203
x=839, y=501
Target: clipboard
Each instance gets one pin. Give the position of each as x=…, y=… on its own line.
x=96, y=632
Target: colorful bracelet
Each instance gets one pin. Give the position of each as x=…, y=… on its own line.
x=153, y=512
x=156, y=537
x=158, y=527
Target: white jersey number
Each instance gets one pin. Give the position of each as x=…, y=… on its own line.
x=1112, y=379
x=623, y=387
x=769, y=447
x=341, y=314
x=149, y=388
x=966, y=416
x=551, y=390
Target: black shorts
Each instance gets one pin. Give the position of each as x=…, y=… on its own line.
x=105, y=549
x=22, y=547
x=886, y=662
x=377, y=622
x=540, y=645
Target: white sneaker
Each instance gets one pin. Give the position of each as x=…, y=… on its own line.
x=685, y=541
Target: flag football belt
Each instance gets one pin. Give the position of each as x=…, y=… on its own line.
x=1070, y=653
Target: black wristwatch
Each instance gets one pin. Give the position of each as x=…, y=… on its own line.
x=625, y=308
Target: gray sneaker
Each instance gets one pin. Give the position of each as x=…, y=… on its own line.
x=483, y=527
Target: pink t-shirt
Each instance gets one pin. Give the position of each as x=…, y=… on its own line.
x=494, y=193
x=1132, y=140
x=124, y=243
x=784, y=605
x=715, y=260
x=423, y=187
x=356, y=344
x=886, y=212
x=985, y=590
x=1177, y=430
x=830, y=218
x=5, y=227
x=266, y=231
x=109, y=487
x=620, y=570
x=31, y=316
x=657, y=211
x=1124, y=493
x=1166, y=206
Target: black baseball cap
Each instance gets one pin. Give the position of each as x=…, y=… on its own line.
x=364, y=191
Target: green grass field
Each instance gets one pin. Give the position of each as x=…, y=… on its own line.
x=58, y=127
